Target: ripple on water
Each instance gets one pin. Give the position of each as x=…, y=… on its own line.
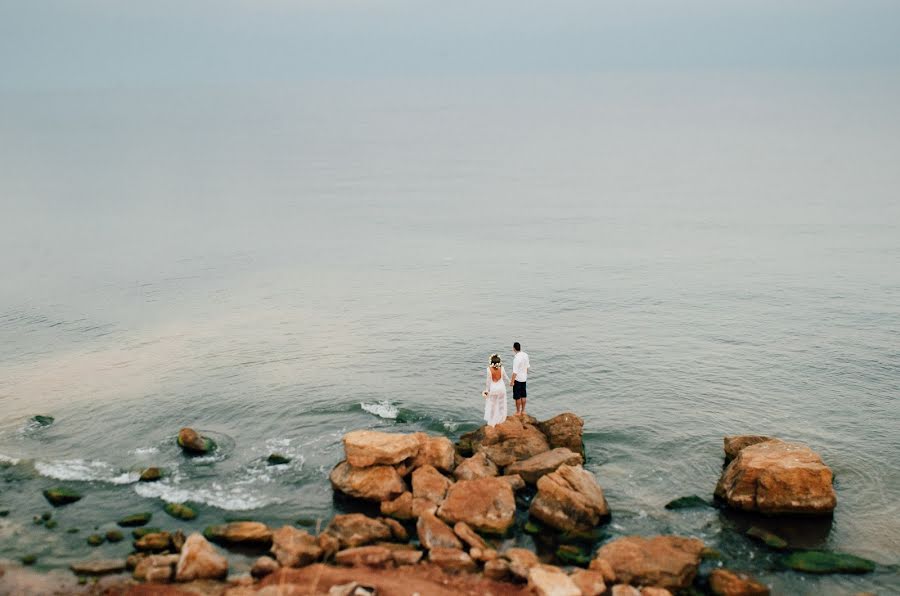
x=85, y=471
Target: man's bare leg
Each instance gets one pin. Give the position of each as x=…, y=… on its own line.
x=524, y=400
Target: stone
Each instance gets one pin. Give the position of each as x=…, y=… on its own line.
x=515, y=482
x=192, y=443
x=397, y=529
x=200, y=560
x=406, y=557
x=569, y=499
x=368, y=556
x=264, y=566
x=816, y=561
x=151, y=474
x=180, y=511
x=348, y=589
x=95, y=539
x=724, y=582
x=420, y=506
x=470, y=536
x=375, y=483
x=276, y=459
x=514, y=439
x=399, y=508
x=477, y=466
x=135, y=520
x=294, y=548
x=485, y=504
x=452, y=560
x=143, y=531
x=690, y=502
x=366, y=448
x=177, y=540
x=778, y=478
x=433, y=533
x=521, y=560
x=654, y=591
x=573, y=554
x=534, y=467
x=565, y=430
x=42, y=420
x=547, y=580
x=733, y=444
x=768, y=538
x=356, y=529
x=156, y=568
x=245, y=532
x=437, y=452
x=497, y=569
x=114, y=536
x=591, y=583
x=329, y=544
x=604, y=569
x=133, y=559
x=624, y=590
x=29, y=559
x=429, y=484
x=98, y=567
x=669, y=562
x=60, y=496
x=155, y=542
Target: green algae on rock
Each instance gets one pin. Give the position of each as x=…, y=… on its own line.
x=192, y=443
x=141, y=532
x=817, y=561
x=95, y=540
x=43, y=420
x=114, y=536
x=134, y=520
x=573, y=555
x=180, y=511
x=60, y=496
x=768, y=538
x=151, y=474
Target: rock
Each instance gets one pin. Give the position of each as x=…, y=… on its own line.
x=690, y=502
x=521, y=560
x=156, y=568
x=469, y=536
x=329, y=544
x=95, y=540
x=399, y=508
x=133, y=559
x=29, y=559
x=368, y=556
x=294, y=548
x=356, y=529
x=135, y=520
x=433, y=533
x=150, y=474
x=547, y=580
x=158, y=541
x=515, y=482
x=724, y=582
x=4, y=512
x=569, y=499
x=376, y=483
x=768, y=538
x=429, y=484
x=406, y=557
x=774, y=477
x=114, y=536
x=177, y=540
x=276, y=459
x=98, y=567
x=654, y=591
x=437, y=452
x=512, y=440
x=180, y=511
x=50, y=524
x=397, y=529
x=591, y=583
x=734, y=444
x=263, y=567
x=816, y=561
x=534, y=467
x=193, y=443
x=605, y=569
x=60, y=496
x=366, y=448
x=624, y=590
x=497, y=569
x=572, y=554
x=350, y=589
x=477, y=466
x=245, y=532
x=485, y=504
x=565, y=430
x=42, y=420
x=420, y=506
x=200, y=560
x=669, y=562
x=141, y=532
x=452, y=560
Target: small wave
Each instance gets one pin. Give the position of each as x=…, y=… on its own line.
x=145, y=450
x=5, y=460
x=85, y=471
x=243, y=494
x=450, y=425
x=382, y=409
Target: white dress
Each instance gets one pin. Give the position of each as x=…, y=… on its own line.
x=495, y=403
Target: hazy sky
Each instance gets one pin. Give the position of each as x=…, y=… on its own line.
x=89, y=43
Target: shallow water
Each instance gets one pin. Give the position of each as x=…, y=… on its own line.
x=683, y=258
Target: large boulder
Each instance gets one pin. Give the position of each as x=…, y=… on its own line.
x=477, y=466
x=565, y=430
x=774, y=477
x=194, y=443
x=734, y=443
x=366, y=448
x=429, y=484
x=244, y=532
x=356, y=529
x=435, y=451
x=533, y=468
x=547, y=580
x=514, y=439
x=724, y=582
x=375, y=483
x=294, y=548
x=669, y=562
x=569, y=499
x=433, y=533
x=200, y=560
x=485, y=504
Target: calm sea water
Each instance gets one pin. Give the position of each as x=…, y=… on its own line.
x=683, y=257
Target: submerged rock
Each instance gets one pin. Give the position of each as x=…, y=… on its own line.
x=768, y=538
x=477, y=466
x=114, y=536
x=366, y=448
x=294, y=548
x=246, y=532
x=375, y=483
x=569, y=499
x=486, y=504
x=533, y=468
x=690, y=502
x=151, y=474
x=193, y=443
x=180, y=511
x=43, y=420
x=774, y=477
x=95, y=540
x=200, y=560
x=816, y=561
x=60, y=496
x=276, y=459
x=669, y=562
x=29, y=559
x=135, y=520
x=733, y=444
x=724, y=582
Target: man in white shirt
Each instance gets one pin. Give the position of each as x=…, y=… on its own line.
x=519, y=377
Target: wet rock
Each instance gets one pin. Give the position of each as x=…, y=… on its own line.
x=437, y=452
x=141, y=532
x=497, y=569
x=150, y=474
x=485, y=504
x=180, y=511
x=294, y=548
x=60, y=496
x=42, y=420
x=724, y=582
x=114, y=536
x=245, y=532
x=364, y=556
x=477, y=466
x=512, y=440
x=429, y=484
x=135, y=520
x=356, y=529
x=375, y=483
x=572, y=554
x=547, y=580
x=533, y=468
x=565, y=430
x=366, y=448
x=29, y=559
x=669, y=562
x=774, y=477
x=591, y=583
x=156, y=542
x=156, y=568
x=734, y=444
x=569, y=499
x=95, y=540
x=399, y=508
x=690, y=502
x=276, y=459
x=200, y=560
x=433, y=533
x=521, y=560
x=768, y=538
x=263, y=566
x=452, y=560
x=98, y=567
x=191, y=442
x=469, y=536
x=815, y=561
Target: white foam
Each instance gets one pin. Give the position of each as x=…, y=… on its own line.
x=382, y=409
x=237, y=495
x=85, y=471
x=145, y=450
x=450, y=425
x=9, y=461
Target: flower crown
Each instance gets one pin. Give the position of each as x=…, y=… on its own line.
x=496, y=364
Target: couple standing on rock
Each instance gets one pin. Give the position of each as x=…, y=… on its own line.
x=495, y=386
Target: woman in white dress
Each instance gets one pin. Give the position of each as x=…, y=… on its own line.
x=495, y=392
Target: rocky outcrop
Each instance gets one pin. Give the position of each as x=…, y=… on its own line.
x=734, y=443
x=429, y=484
x=669, y=562
x=433, y=533
x=294, y=548
x=547, y=580
x=724, y=582
x=486, y=504
x=375, y=483
x=435, y=451
x=565, y=430
x=200, y=560
x=193, y=443
x=366, y=448
x=569, y=499
x=534, y=467
x=245, y=532
x=774, y=477
x=477, y=466
x=512, y=440
x=356, y=529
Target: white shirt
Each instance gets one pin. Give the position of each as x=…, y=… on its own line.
x=520, y=366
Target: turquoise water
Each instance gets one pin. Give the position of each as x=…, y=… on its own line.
x=681, y=258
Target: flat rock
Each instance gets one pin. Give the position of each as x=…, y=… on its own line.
x=435, y=451
x=565, y=430
x=366, y=448
x=816, y=561
x=569, y=499
x=486, y=504
x=470, y=536
x=452, y=560
x=98, y=567
x=200, y=560
x=533, y=468
x=778, y=478
x=512, y=440
x=135, y=520
x=365, y=556
x=547, y=580
x=356, y=529
x=245, y=532
x=689, y=502
x=429, y=484
x=734, y=443
x=155, y=541
x=477, y=466
x=399, y=508
x=669, y=562
x=433, y=533
x=724, y=582
x=293, y=547
x=375, y=483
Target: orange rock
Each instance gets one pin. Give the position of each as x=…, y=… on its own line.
x=724, y=582
x=452, y=560
x=435, y=451
x=366, y=448
x=399, y=508
x=469, y=536
x=263, y=567
x=294, y=548
x=512, y=440
x=433, y=533
x=533, y=468
x=375, y=483
x=200, y=560
x=485, y=504
x=397, y=529
x=477, y=466
x=246, y=532
x=591, y=583
x=734, y=443
x=669, y=562
x=521, y=560
x=429, y=484
x=497, y=569
x=565, y=430
x=547, y=580
x=654, y=591
x=356, y=529
x=569, y=499
x=368, y=556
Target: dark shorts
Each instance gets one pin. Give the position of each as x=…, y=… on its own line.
x=519, y=391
